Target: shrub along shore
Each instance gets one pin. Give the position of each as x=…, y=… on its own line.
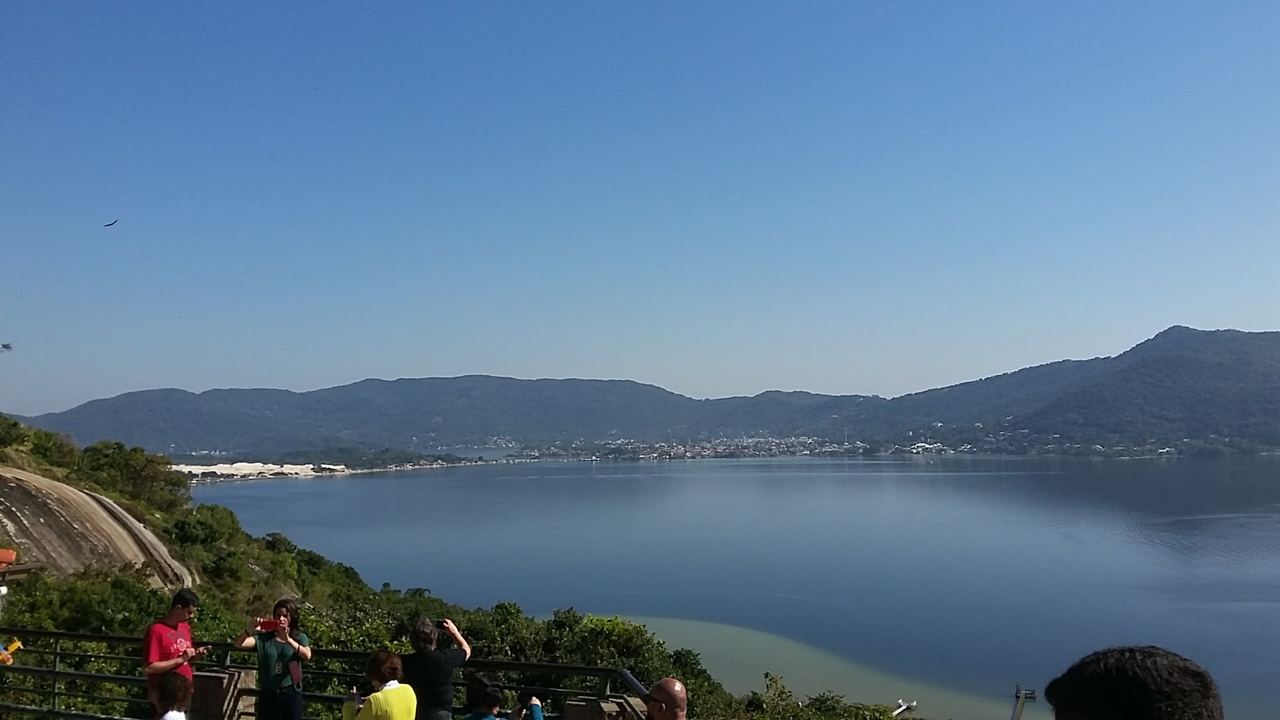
x=242, y=576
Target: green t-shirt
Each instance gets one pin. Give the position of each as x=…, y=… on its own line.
x=273, y=660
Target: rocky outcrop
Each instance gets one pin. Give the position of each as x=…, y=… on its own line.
x=68, y=530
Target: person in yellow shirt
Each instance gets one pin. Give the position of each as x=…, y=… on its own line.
x=390, y=700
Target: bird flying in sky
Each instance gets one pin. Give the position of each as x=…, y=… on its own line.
x=113, y=222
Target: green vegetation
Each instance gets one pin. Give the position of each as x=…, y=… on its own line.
x=1196, y=391
x=140, y=482
x=242, y=576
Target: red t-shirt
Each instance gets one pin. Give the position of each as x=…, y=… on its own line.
x=163, y=642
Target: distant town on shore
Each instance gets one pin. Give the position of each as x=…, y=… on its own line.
x=1183, y=392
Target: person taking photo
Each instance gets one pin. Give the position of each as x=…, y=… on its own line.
x=429, y=670
x=282, y=647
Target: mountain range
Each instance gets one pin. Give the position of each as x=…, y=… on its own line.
x=1206, y=388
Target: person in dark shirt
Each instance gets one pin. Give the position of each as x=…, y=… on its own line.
x=429, y=670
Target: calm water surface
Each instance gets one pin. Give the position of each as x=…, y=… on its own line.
x=968, y=575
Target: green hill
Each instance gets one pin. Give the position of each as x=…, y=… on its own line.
x=1183, y=385
x=242, y=576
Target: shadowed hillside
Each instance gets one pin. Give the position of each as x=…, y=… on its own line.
x=1182, y=383
x=1204, y=386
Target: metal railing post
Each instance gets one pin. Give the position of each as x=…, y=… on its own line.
x=102, y=683
x=57, y=665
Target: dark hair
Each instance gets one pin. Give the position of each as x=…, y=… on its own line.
x=484, y=691
x=1138, y=682
x=383, y=667
x=173, y=692
x=184, y=598
x=290, y=606
x=423, y=635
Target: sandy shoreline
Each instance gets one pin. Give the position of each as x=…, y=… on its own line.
x=229, y=472
x=251, y=470
x=739, y=657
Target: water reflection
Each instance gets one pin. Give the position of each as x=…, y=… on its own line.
x=968, y=573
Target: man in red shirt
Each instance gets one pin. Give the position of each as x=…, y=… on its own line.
x=167, y=645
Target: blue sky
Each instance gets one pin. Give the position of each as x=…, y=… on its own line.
x=718, y=198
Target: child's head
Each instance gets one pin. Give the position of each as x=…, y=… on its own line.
x=484, y=692
x=173, y=692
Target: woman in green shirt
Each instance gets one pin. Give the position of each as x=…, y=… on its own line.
x=281, y=646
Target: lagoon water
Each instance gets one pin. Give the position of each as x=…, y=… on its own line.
x=946, y=580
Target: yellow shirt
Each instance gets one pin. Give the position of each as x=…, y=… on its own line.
x=393, y=702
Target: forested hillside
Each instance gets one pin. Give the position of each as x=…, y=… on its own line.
x=1198, y=388
x=242, y=576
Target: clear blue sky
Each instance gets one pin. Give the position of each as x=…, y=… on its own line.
x=720, y=198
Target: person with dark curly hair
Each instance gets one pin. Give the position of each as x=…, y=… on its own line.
x=484, y=700
x=1136, y=682
x=172, y=696
x=390, y=700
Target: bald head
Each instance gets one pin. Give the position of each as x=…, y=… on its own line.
x=667, y=699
